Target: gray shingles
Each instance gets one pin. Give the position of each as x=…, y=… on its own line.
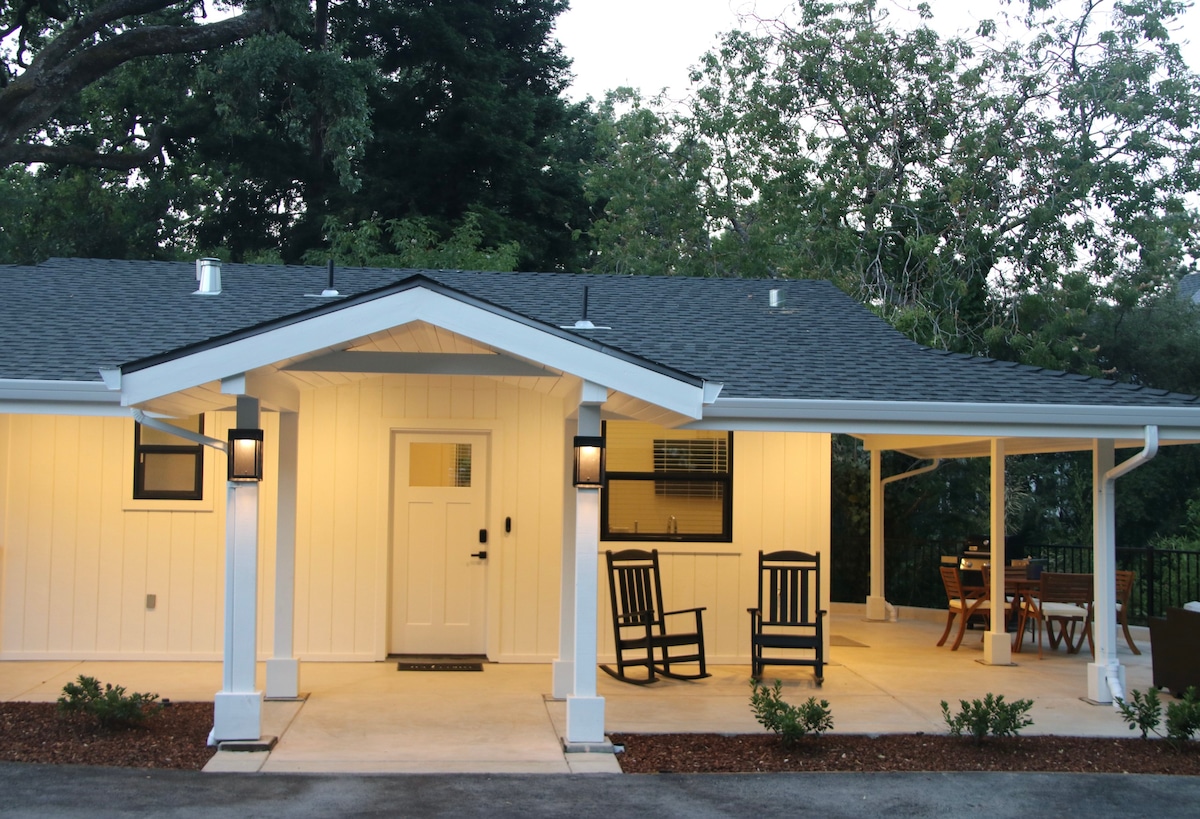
x=66, y=317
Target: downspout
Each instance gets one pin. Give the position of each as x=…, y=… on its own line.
x=877, y=606
x=1113, y=673
x=162, y=426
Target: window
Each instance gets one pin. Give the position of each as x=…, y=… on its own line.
x=165, y=466
x=667, y=484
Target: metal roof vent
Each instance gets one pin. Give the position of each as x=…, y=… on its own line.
x=584, y=323
x=330, y=291
x=208, y=274
x=775, y=297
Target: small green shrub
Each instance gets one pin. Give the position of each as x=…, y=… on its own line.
x=991, y=715
x=1142, y=713
x=790, y=722
x=1145, y=714
x=111, y=707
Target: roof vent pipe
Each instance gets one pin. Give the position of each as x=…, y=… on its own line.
x=776, y=297
x=208, y=273
x=329, y=289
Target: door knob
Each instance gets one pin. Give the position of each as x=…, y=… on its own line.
x=482, y=554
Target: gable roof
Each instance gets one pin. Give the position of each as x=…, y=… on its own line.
x=65, y=318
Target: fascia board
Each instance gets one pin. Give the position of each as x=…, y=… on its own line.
x=38, y=397
x=951, y=418
x=417, y=304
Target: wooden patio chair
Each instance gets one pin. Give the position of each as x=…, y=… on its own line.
x=1125, y=582
x=640, y=623
x=1064, y=600
x=787, y=626
x=963, y=602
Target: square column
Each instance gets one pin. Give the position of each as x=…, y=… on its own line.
x=1104, y=557
x=997, y=645
x=283, y=669
x=877, y=600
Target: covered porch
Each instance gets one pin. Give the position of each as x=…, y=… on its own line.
x=885, y=677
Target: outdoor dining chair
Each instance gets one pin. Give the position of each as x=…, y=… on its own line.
x=1125, y=582
x=640, y=623
x=964, y=603
x=1063, y=600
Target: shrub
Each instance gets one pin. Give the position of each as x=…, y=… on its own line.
x=990, y=715
x=790, y=722
x=1183, y=716
x=1145, y=712
x=110, y=707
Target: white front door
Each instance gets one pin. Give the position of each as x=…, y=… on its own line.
x=439, y=572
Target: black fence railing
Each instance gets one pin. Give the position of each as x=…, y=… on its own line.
x=1165, y=578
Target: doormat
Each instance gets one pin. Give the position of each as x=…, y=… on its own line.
x=439, y=666
x=839, y=640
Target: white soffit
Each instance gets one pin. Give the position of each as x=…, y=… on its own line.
x=30, y=397
x=337, y=327
x=925, y=446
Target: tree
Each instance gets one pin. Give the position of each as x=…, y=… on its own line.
x=54, y=50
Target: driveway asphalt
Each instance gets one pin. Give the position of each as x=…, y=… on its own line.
x=69, y=791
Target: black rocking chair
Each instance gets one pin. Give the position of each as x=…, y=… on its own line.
x=787, y=628
x=639, y=622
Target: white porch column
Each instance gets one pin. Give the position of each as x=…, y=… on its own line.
x=237, y=707
x=283, y=670
x=564, y=666
x=876, y=601
x=997, y=645
x=585, y=710
x=1104, y=565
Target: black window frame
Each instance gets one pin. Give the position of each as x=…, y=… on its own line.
x=140, y=450
x=723, y=479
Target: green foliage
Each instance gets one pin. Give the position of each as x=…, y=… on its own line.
x=111, y=707
x=1145, y=714
x=991, y=715
x=411, y=243
x=1142, y=713
x=790, y=722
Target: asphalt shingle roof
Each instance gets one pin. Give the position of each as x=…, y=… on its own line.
x=64, y=318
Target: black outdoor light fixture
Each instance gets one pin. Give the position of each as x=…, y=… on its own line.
x=589, y=462
x=245, y=454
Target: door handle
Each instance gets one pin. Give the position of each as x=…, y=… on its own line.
x=481, y=554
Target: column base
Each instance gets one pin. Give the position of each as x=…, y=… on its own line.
x=997, y=648
x=877, y=608
x=1099, y=690
x=237, y=716
x=564, y=679
x=283, y=678
x=585, y=720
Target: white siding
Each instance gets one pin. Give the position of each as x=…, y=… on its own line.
x=78, y=557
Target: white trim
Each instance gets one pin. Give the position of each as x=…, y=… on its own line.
x=417, y=304
x=958, y=418
x=40, y=397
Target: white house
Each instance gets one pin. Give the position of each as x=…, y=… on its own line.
x=416, y=495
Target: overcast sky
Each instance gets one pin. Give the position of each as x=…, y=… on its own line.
x=650, y=44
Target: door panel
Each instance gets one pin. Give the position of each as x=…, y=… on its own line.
x=439, y=506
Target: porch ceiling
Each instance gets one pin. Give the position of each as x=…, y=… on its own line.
x=933, y=446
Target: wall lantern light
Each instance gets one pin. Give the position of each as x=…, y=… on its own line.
x=589, y=462
x=245, y=454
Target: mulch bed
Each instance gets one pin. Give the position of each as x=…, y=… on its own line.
x=749, y=753
x=175, y=737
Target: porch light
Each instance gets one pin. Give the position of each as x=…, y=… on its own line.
x=245, y=454
x=589, y=462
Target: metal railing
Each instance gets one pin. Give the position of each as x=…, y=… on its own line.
x=1165, y=578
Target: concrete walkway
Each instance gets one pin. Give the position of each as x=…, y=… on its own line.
x=371, y=718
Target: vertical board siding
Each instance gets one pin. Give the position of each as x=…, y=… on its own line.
x=780, y=501
x=78, y=565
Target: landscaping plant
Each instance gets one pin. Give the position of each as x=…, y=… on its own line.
x=790, y=722
x=111, y=707
x=1145, y=714
x=990, y=715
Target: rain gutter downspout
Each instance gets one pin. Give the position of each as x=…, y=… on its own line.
x=1113, y=672
x=162, y=426
x=877, y=606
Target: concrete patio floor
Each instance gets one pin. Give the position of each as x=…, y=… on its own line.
x=371, y=718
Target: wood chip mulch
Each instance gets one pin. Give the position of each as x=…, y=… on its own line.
x=750, y=753
x=174, y=737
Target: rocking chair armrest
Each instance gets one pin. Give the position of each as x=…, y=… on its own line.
x=698, y=609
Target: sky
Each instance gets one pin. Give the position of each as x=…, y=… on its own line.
x=650, y=44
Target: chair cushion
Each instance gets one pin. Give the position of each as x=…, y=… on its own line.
x=1063, y=610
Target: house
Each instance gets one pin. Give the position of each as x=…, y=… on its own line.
x=416, y=493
